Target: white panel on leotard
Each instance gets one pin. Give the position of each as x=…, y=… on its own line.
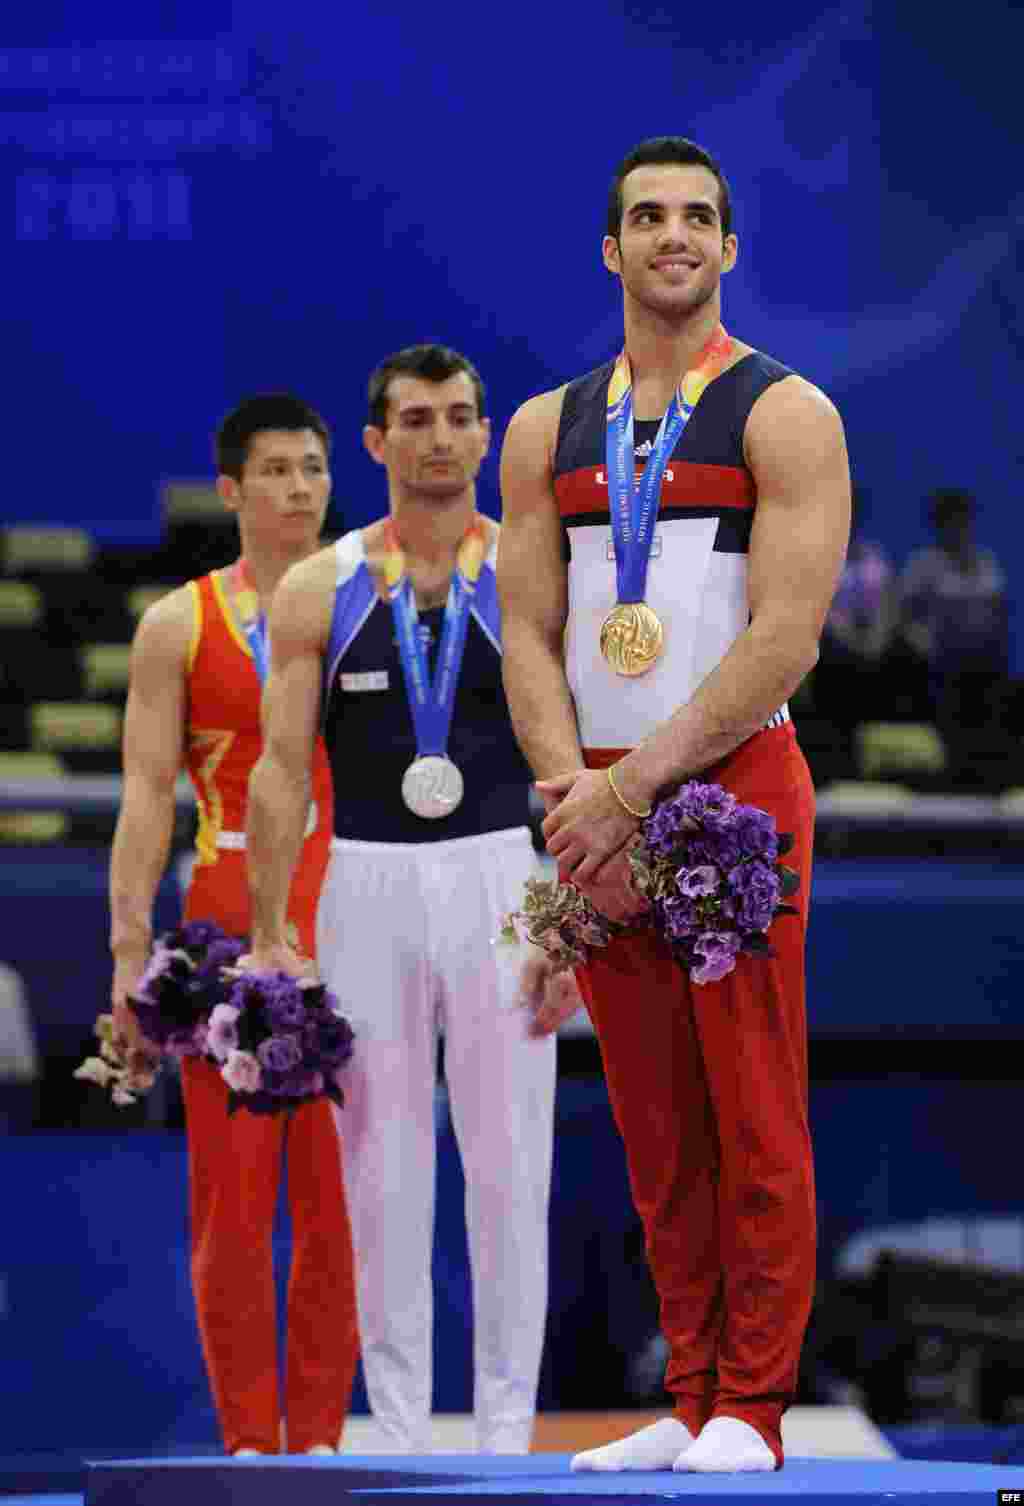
x=700, y=597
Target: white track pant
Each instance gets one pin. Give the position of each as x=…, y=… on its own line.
x=406, y=939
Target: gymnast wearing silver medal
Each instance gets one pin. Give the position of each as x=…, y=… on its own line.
x=392, y=637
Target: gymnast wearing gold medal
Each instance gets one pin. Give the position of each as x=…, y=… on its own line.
x=707, y=486
x=393, y=638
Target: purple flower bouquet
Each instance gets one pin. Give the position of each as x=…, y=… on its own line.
x=710, y=868
x=185, y=979
x=280, y=1041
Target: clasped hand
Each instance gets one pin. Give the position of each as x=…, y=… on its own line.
x=588, y=833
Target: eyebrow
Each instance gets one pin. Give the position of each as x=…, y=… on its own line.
x=276, y=458
x=415, y=409
x=646, y=204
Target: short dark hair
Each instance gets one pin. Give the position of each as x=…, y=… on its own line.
x=267, y=410
x=434, y=363
x=661, y=151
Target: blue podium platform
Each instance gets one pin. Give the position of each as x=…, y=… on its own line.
x=531, y=1480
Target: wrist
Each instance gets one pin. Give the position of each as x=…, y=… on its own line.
x=613, y=774
x=636, y=782
x=129, y=948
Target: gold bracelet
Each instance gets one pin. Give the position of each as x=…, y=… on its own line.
x=638, y=815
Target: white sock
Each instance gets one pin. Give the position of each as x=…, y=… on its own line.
x=247, y=1453
x=726, y=1446
x=654, y=1447
x=320, y=1448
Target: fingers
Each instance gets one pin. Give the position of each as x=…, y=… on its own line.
x=561, y=1003
x=557, y=787
x=531, y=982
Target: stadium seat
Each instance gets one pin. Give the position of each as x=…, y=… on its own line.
x=31, y=827
x=190, y=502
x=859, y=797
x=86, y=733
x=899, y=748
x=140, y=598
x=21, y=605
x=105, y=669
x=45, y=551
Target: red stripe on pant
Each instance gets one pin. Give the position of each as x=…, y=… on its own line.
x=708, y=1085
x=235, y=1165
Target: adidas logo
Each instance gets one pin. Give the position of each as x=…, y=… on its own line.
x=643, y=450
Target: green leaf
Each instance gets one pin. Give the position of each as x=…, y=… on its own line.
x=789, y=880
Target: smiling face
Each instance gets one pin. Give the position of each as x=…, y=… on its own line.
x=670, y=252
x=434, y=440
x=281, y=497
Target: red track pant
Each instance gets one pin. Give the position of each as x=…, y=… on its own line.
x=708, y=1085
x=235, y=1165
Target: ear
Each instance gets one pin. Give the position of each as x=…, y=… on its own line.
x=730, y=251
x=485, y=425
x=373, y=443
x=229, y=492
x=611, y=255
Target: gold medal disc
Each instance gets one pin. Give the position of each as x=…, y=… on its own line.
x=632, y=638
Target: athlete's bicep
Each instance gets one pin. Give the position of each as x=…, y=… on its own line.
x=154, y=721
x=532, y=575
x=291, y=697
x=797, y=453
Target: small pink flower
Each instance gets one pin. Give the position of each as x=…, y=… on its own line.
x=222, y=1031
x=241, y=1072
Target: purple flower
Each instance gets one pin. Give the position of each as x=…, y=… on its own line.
x=333, y=1041
x=196, y=933
x=708, y=805
x=241, y=1072
x=224, y=952
x=716, y=951
x=283, y=1001
x=279, y=1053
x=223, y=1031
x=679, y=917
x=755, y=889
x=698, y=881
x=755, y=830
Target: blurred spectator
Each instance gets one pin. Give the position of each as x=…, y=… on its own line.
x=858, y=630
x=19, y=1059
x=953, y=615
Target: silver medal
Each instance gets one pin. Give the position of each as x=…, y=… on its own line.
x=432, y=787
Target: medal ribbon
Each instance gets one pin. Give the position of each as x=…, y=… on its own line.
x=633, y=505
x=250, y=619
x=433, y=702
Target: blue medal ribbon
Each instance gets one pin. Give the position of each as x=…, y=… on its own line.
x=252, y=621
x=633, y=506
x=432, y=702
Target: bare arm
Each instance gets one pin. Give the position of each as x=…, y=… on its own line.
x=279, y=786
x=797, y=453
x=533, y=587
x=154, y=737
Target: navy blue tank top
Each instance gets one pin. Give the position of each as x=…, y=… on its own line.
x=368, y=727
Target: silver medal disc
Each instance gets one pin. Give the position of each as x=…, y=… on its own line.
x=432, y=787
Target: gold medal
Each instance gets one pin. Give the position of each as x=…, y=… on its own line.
x=632, y=638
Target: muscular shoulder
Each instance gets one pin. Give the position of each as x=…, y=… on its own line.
x=304, y=599
x=792, y=419
x=166, y=628
x=532, y=435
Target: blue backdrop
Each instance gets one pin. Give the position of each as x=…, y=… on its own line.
x=202, y=201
